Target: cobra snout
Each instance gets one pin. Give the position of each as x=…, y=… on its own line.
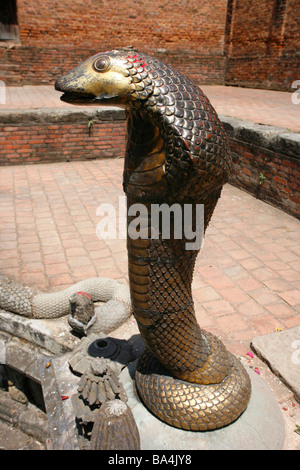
x=101, y=79
x=76, y=87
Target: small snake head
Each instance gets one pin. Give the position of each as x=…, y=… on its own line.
x=104, y=78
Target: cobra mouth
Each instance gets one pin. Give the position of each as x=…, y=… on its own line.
x=78, y=98
x=86, y=99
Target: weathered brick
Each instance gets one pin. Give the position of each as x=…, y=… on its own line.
x=261, y=43
x=155, y=27
x=259, y=46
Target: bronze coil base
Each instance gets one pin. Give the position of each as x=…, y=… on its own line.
x=188, y=406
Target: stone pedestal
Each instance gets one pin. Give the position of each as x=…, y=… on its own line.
x=260, y=427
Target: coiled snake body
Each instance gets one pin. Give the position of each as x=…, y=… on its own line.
x=31, y=303
x=176, y=153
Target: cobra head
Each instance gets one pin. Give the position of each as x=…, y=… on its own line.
x=102, y=79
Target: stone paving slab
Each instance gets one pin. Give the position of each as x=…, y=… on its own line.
x=281, y=351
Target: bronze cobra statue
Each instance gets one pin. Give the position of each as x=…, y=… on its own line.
x=176, y=153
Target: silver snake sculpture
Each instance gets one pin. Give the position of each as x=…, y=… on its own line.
x=31, y=303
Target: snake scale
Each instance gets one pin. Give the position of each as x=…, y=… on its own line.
x=176, y=152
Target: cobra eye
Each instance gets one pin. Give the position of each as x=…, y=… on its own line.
x=101, y=64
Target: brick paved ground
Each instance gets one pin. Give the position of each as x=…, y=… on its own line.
x=261, y=106
x=247, y=277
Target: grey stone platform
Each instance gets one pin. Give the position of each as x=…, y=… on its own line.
x=260, y=427
x=281, y=351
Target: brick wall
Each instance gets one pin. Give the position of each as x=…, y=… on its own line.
x=262, y=43
x=249, y=43
x=55, y=36
x=42, y=136
x=266, y=163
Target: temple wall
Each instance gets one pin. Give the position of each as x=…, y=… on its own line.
x=262, y=43
x=55, y=36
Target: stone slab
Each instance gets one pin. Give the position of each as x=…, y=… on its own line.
x=54, y=115
x=260, y=427
x=12, y=438
x=26, y=417
x=265, y=136
x=53, y=335
x=281, y=351
x=58, y=386
x=23, y=357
